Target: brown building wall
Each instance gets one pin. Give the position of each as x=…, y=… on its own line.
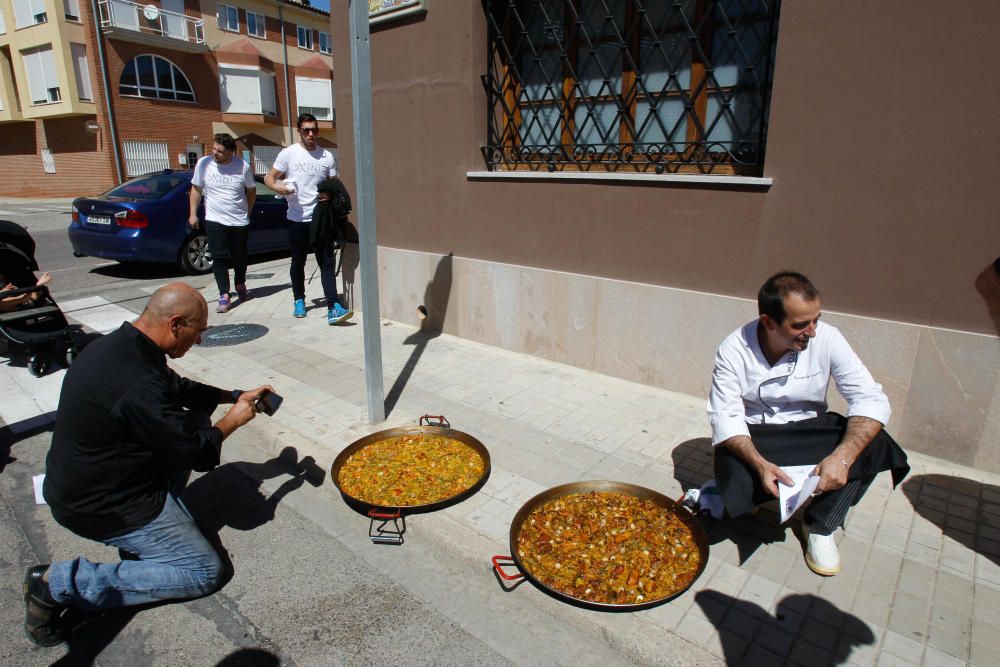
x=882, y=147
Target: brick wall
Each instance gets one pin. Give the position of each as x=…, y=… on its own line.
x=82, y=164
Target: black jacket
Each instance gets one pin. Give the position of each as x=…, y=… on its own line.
x=126, y=424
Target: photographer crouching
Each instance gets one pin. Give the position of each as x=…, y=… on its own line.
x=128, y=433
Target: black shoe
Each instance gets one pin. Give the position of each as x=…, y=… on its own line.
x=41, y=611
x=127, y=555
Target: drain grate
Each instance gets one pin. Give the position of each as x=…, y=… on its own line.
x=232, y=334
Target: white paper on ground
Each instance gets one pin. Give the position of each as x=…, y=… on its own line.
x=37, y=481
x=791, y=498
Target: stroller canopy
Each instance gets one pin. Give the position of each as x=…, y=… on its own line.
x=17, y=254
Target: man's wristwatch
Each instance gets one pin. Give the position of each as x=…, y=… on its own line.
x=235, y=394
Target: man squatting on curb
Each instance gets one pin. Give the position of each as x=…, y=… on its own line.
x=767, y=408
x=303, y=166
x=230, y=192
x=128, y=433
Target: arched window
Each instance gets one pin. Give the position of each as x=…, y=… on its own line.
x=156, y=78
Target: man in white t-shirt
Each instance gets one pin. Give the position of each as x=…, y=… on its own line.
x=230, y=190
x=303, y=166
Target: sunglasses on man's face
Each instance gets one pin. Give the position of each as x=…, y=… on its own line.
x=309, y=130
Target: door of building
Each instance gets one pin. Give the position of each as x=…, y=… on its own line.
x=194, y=153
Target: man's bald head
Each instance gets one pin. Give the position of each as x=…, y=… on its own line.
x=173, y=300
x=174, y=318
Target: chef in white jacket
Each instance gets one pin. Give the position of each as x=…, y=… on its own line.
x=767, y=409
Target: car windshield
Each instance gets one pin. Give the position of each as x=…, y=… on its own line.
x=147, y=187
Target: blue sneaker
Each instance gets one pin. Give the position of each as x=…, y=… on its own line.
x=300, y=308
x=338, y=314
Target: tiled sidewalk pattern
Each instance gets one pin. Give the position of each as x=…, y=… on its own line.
x=921, y=576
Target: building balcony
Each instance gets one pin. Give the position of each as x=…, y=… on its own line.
x=151, y=25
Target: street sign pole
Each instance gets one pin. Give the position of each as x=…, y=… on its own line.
x=361, y=89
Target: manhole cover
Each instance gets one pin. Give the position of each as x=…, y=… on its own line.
x=232, y=334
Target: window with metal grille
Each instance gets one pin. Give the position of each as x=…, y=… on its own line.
x=144, y=157
x=660, y=86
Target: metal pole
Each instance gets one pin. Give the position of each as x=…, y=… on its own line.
x=289, y=134
x=102, y=61
x=361, y=95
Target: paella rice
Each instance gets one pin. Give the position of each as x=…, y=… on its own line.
x=410, y=470
x=609, y=548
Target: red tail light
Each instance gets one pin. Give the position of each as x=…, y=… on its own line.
x=132, y=219
x=76, y=215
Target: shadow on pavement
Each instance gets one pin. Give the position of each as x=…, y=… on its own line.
x=967, y=511
x=261, y=291
x=144, y=271
x=805, y=628
x=11, y=434
x=250, y=657
x=136, y=271
x=432, y=312
x=692, y=468
x=228, y=496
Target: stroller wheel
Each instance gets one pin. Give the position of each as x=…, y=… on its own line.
x=72, y=352
x=38, y=366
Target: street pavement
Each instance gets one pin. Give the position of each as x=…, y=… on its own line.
x=920, y=582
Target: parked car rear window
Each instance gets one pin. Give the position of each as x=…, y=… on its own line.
x=147, y=187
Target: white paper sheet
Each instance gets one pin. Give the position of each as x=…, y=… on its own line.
x=791, y=498
x=37, y=480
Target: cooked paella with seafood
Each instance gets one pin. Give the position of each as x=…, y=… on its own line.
x=608, y=548
x=411, y=470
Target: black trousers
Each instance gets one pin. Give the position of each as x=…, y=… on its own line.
x=807, y=442
x=298, y=238
x=228, y=246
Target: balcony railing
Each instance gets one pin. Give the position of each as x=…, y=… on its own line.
x=147, y=19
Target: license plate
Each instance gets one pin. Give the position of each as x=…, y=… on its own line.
x=98, y=220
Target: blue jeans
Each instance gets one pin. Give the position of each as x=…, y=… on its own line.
x=298, y=238
x=177, y=562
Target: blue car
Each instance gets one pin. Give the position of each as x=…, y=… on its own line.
x=146, y=220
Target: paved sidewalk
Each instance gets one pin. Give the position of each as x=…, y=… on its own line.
x=921, y=576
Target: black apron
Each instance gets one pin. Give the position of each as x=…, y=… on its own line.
x=804, y=442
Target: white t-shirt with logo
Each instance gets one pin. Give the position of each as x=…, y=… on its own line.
x=224, y=188
x=307, y=169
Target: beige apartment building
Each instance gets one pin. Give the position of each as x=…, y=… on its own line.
x=95, y=92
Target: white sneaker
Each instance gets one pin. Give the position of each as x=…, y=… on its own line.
x=822, y=556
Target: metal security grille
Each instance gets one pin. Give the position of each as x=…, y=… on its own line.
x=629, y=85
x=143, y=157
x=263, y=158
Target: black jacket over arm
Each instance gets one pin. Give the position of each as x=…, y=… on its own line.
x=126, y=424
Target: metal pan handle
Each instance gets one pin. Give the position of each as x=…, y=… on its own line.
x=500, y=562
x=441, y=421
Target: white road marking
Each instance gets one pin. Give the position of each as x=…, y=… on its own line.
x=97, y=313
x=26, y=397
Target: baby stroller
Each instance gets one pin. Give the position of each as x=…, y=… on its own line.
x=38, y=325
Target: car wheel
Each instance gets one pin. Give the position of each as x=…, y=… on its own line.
x=195, y=257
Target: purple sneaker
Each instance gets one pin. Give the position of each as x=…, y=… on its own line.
x=224, y=304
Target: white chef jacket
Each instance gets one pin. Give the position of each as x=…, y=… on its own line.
x=746, y=389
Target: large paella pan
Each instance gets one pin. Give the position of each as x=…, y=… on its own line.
x=606, y=545
x=410, y=470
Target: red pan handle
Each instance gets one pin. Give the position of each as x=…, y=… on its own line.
x=498, y=567
x=441, y=421
x=375, y=514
